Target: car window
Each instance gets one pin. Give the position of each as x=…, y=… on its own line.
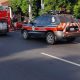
x=37, y=21
x=61, y=19
x=55, y=20
x=42, y=21
x=67, y=18
x=46, y=20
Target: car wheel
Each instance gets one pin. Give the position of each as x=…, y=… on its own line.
x=50, y=38
x=25, y=34
x=70, y=39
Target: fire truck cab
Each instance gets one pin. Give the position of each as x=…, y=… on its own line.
x=5, y=19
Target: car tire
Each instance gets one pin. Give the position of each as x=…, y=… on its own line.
x=50, y=38
x=70, y=39
x=25, y=34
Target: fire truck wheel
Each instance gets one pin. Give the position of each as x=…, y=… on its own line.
x=50, y=38
x=25, y=34
x=70, y=39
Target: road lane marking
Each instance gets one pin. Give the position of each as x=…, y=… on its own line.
x=64, y=60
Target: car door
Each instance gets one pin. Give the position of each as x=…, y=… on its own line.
x=38, y=26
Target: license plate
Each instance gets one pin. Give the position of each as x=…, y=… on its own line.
x=72, y=29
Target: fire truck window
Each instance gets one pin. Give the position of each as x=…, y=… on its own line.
x=4, y=8
x=1, y=8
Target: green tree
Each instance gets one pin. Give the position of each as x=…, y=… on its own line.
x=49, y=5
x=72, y=6
x=15, y=4
x=22, y=4
x=57, y=5
x=77, y=9
x=36, y=7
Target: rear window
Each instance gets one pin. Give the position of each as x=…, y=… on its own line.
x=67, y=18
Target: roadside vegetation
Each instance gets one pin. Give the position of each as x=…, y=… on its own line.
x=71, y=6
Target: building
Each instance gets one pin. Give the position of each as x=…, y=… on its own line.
x=4, y=2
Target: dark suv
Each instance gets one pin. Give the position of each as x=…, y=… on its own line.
x=52, y=28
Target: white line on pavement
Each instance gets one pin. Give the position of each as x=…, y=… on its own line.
x=73, y=63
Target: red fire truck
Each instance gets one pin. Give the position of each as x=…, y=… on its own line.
x=5, y=19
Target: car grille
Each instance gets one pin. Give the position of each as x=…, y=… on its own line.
x=72, y=29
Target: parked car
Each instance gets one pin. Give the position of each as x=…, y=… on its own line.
x=52, y=28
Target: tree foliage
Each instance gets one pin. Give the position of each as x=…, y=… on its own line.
x=77, y=9
x=19, y=4
x=58, y=4
x=72, y=6
x=24, y=6
x=15, y=4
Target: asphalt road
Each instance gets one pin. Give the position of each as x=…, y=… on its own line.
x=34, y=59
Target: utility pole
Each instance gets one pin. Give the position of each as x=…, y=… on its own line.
x=30, y=11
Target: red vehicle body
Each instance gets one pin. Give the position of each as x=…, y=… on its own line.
x=18, y=25
x=53, y=28
x=18, y=20
x=5, y=19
